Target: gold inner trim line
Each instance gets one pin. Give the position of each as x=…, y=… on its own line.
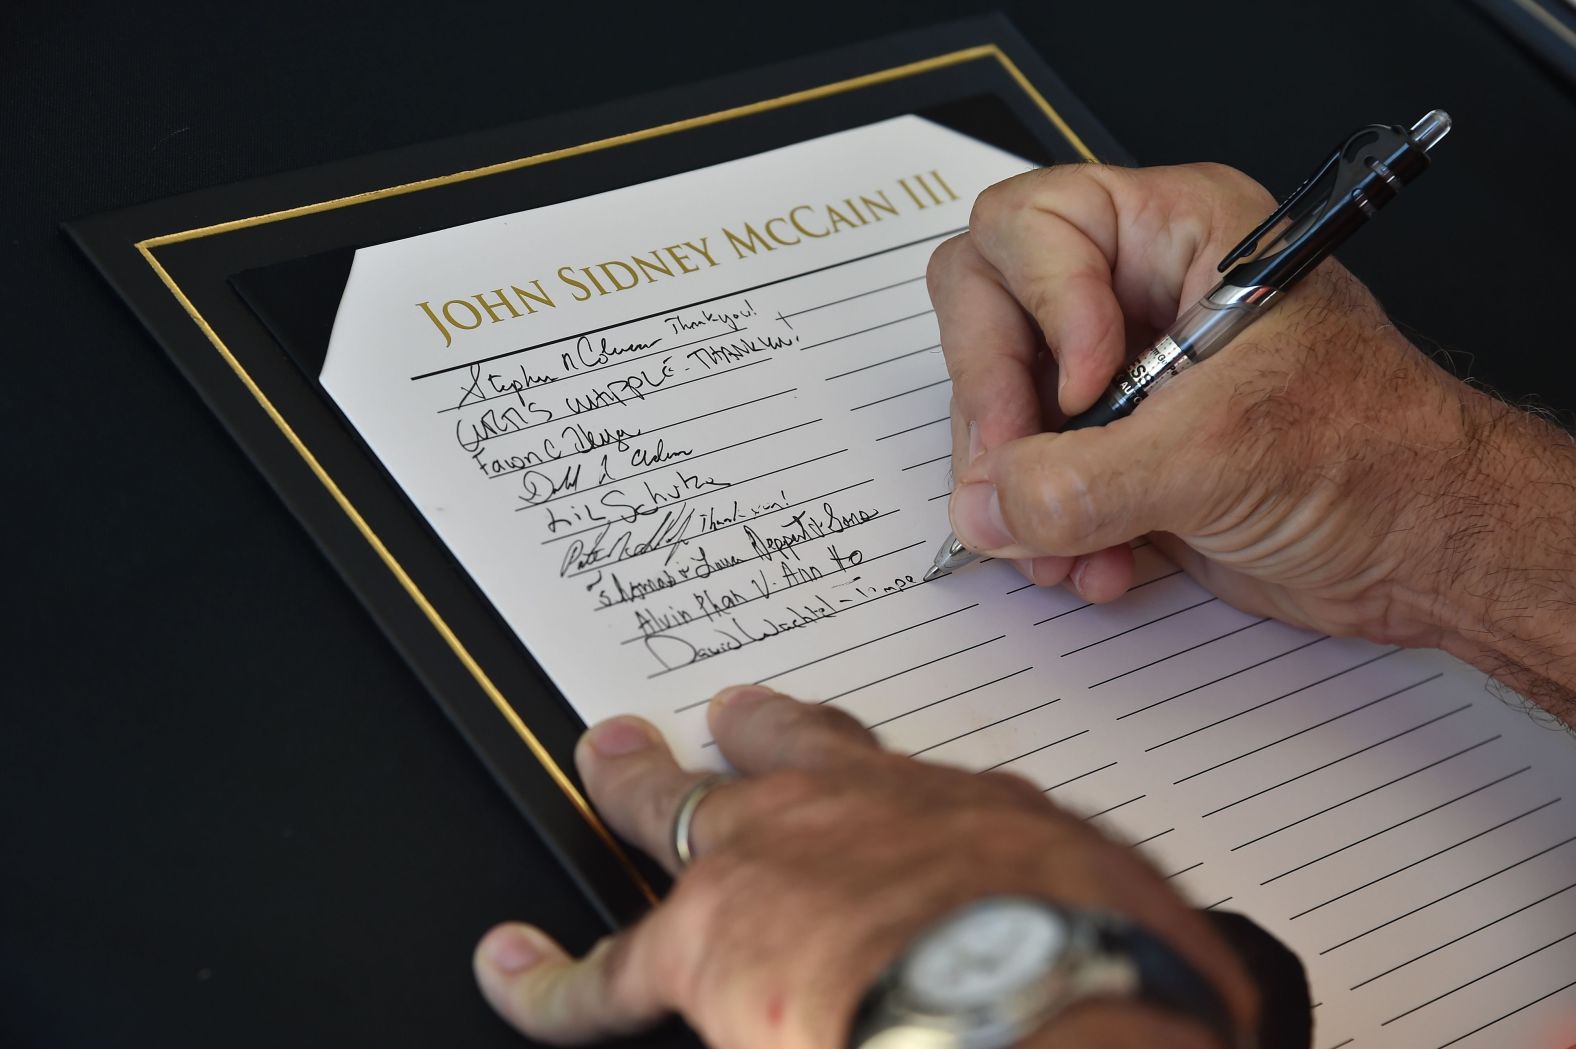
x=969, y=54
x=510, y=715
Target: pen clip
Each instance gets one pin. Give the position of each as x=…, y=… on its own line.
x=1362, y=175
x=1250, y=243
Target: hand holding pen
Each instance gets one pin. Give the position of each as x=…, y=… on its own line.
x=1362, y=174
x=1272, y=474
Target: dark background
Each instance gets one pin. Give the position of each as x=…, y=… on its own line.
x=228, y=813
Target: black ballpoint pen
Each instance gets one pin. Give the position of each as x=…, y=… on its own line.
x=1362, y=175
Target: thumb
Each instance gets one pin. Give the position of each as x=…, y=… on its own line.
x=534, y=985
x=1068, y=494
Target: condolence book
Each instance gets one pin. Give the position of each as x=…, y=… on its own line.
x=601, y=414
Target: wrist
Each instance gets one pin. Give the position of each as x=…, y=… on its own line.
x=1123, y=911
x=1008, y=968
x=1492, y=568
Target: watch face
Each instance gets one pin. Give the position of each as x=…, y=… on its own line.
x=985, y=953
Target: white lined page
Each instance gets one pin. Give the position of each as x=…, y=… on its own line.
x=746, y=481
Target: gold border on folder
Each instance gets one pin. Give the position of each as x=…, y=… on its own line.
x=510, y=715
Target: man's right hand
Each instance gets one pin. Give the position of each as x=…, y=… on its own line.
x=1319, y=469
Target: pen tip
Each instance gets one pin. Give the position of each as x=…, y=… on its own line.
x=931, y=573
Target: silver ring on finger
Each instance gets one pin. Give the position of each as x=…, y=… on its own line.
x=684, y=819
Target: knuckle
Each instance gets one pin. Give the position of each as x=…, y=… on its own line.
x=942, y=261
x=1050, y=502
x=705, y=885
x=611, y=958
x=1213, y=171
x=812, y=730
x=996, y=204
x=653, y=811
x=1104, y=341
x=1235, y=186
x=1086, y=507
x=969, y=374
x=784, y=791
x=1038, y=296
x=843, y=723
x=1225, y=175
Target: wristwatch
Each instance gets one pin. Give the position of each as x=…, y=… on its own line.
x=993, y=972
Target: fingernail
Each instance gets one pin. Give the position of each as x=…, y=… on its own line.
x=739, y=695
x=1077, y=577
x=620, y=736
x=975, y=448
x=514, y=948
x=976, y=516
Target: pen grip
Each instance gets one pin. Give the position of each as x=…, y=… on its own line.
x=1108, y=409
x=1198, y=334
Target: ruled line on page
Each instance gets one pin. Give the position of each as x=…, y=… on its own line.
x=594, y=369
x=559, y=420
x=1081, y=775
x=1425, y=859
x=904, y=393
x=1454, y=892
x=704, y=619
x=1180, y=652
x=1139, y=626
x=823, y=658
x=1457, y=939
x=749, y=560
x=1113, y=808
x=600, y=525
x=1035, y=750
x=1498, y=968
x=927, y=462
x=877, y=364
x=1303, y=731
x=1088, y=604
x=866, y=331
x=1223, y=677
x=1372, y=790
x=857, y=295
x=764, y=513
x=686, y=460
x=644, y=433
x=1506, y=1016
x=1400, y=823
x=911, y=429
x=862, y=644
x=1352, y=754
x=914, y=667
x=944, y=699
x=1152, y=837
x=907, y=670
x=982, y=728
x=1275, y=699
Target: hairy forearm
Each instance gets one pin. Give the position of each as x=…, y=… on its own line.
x=1502, y=579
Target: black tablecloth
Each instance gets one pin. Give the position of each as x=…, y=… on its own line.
x=228, y=813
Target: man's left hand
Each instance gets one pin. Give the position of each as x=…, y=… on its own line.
x=812, y=872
